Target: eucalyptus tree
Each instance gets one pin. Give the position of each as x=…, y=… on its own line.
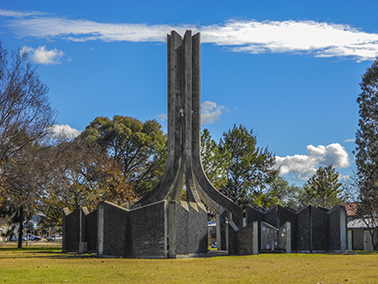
x=138, y=147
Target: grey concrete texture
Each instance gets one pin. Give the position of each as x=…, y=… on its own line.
x=91, y=231
x=184, y=128
x=187, y=229
x=71, y=230
x=111, y=229
x=244, y=241
x=147, y=231
x=313, y=229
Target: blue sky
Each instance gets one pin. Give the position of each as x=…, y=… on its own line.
x=289, y=70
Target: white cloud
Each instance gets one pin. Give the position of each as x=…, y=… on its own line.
x=7, y=13
x=210, y=112
x=349, y=140
x=43, y=56
x=63, y=131
x=319, y=39
x=162, y=116
x=304, y=165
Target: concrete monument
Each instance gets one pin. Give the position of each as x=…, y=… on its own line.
x=162, y=225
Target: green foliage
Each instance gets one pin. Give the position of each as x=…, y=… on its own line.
x=214, y=160
x=323, y=189
x=287, y=194
x=367, y=149
x=250, y=169
x=139, y=148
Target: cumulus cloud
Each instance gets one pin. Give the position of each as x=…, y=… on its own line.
x=304, y=165
x=63, y=131
x=210, y=112
x=317, y=38
x=43, y=56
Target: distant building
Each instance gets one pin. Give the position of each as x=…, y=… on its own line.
x=359, y=237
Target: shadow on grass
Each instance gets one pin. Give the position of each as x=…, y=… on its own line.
x=41, y=252
x=364, y=252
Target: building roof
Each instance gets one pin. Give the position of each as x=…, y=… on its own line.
x=351, y=208
x=362, y=223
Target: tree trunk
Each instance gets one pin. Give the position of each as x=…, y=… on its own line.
x=20, y=228
x=20, y=233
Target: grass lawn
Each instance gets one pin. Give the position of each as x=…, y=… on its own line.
x=48, y=265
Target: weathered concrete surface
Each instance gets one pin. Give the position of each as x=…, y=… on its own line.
x=184, y=129
x=72, y=227
x=244, y=241
x=147, y=231
x=338, y=229
x=312, y=229
x=91, y=231
x=111, y=230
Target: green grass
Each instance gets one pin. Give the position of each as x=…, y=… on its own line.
x=49, y=265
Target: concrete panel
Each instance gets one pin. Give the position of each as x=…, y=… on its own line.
x=71, y=234
x=112, y=226
x=178, y=216
x=289, y=215
x=187, y=229
x=304, y=230
x=271, y=216
x=147, y=231
x=247, y=239
x=320, y=229
x=91, y=231
x=221, y=231
x=197, y=232
x=338, y=239
x=253, y=215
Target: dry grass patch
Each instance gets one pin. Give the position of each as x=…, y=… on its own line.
x=49, y=265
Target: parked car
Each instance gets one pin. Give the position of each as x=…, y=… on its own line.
x=31, y=237
x=15, y=239
x=55, y=238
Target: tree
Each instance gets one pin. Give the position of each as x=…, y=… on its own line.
x=250, y=169
x=214, y=160
x=25, y=113
x=367, y=151
x=81, y=176
x=19, y=187
x=323, y=189
x=139, y=148
x=25, y=116
x=285, y=194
